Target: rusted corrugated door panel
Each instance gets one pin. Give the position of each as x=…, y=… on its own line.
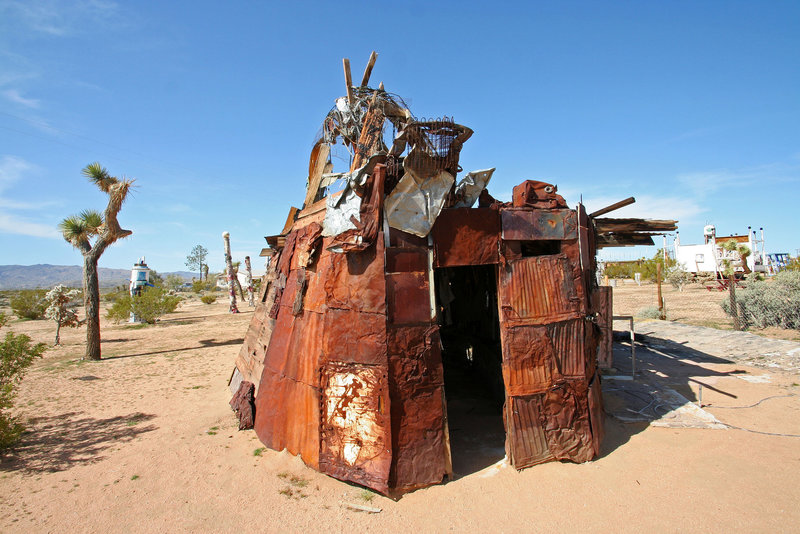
x=597, y=414
x=356, y=337
x=525, y=435
x=416, y=391
x=528, y=225
x=466, y=236
x=568, y=339
x=538, y=290
x=408, y=298
x=355, y=429
x=566, y=411
x=603, y=306
x=528, y=360
x=287, y=416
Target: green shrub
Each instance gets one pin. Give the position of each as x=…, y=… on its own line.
x=29, y=303
x=148, y=307
x=678, y=277
x=206, y=285
x=650, y=312
x=769, y=303
x=117, y=293
x=208, y=299
x=16, y=355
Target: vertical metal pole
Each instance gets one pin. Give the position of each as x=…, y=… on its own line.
x=226, y=237
x=662, y=314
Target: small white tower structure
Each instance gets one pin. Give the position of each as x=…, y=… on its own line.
x=140, y=277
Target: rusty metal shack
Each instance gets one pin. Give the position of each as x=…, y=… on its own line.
x=407, y=288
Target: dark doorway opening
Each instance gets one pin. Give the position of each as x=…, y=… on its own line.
x=472, y=359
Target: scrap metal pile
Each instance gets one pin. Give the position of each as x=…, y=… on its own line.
x=345, y=348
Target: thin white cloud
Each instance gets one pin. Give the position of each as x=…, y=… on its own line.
x=11, y=170
x=10, y=224
x=14, y=96
x=58, y=19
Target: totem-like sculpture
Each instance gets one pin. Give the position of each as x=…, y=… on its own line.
x=226, y=237
x=249, y=280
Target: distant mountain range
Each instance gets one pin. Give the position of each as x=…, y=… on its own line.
x=46, y=276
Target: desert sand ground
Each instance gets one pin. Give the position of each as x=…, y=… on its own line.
x=144, y=441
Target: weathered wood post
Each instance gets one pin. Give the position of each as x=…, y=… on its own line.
x=226, y=237
x=661, y=312
x=734, y=307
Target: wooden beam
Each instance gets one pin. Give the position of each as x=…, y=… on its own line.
x=634, y=225
x=621, y=204
x=623, y=240
x=316, y=167
x=368, y=71
x=348, y=80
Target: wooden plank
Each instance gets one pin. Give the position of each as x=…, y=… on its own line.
x=634, y=225
x=348, y=80
x=368, y=71
x=289, y=220
x=371, y=133
x=623, y=240
x=316, y=167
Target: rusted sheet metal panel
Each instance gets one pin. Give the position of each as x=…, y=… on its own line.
x=287, y=416
x=530, y=225
x=354, y=337
x=416, y=390
x=419, y=453
x=538, y=290
x=408, y=298
x=406, y=260
x=467, y=236
x=568, y=339
x=566, y=411
x=355, y=424
x=296, y=347
x=528, y=360
x=597, y=414
x=356, y=281
x=526, y=443
x=399, y=238
x=602, y=305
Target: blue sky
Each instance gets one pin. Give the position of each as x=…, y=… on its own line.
x=691, y=107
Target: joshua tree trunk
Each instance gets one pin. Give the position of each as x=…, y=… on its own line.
x=58, y=331
x=91, y=301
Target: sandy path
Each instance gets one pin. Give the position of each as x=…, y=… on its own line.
x=145, y=442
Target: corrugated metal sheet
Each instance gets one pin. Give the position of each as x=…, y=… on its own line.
x=538, y=290
x=568, y=339
x=355, y=424
x=530, y=225
x=566, y=411
x=467, y=236
x=525, y=434
x=528, y=360
x=602, y=305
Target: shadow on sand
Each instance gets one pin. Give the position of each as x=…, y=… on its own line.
x=59, y=442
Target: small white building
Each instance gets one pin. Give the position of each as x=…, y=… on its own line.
x=710, y=257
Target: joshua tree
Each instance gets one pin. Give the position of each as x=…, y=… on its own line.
x=92, y=232
x=58, y=298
